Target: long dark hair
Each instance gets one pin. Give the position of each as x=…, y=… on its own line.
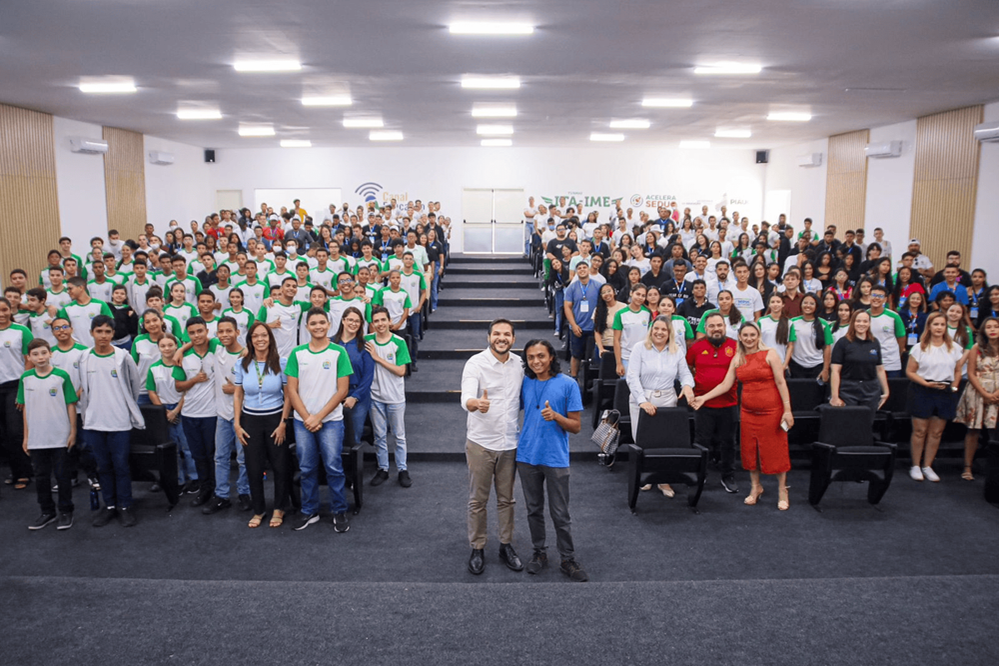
x=984, y=348
x=359, y=338
x=818, y=328
x=783, y=323
x=273, y=360
x=600, y=316
x=553, y=369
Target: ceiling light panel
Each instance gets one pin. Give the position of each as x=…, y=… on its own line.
x=490, y=28
x=729, y=68
x=329, y=100
x=634, y=123
x=296, y=143
x=107, y=86
x=490, y=82
x=256, y=130
x=363, y=123
x=600, y=136
x=386, y=135
x=668, y=102
x=733, y=134
x=790, y=116
x=277, y=65
x=494, y=130
x=497, y=143
x=198, y=114
x=494, y=111
x=695, y=145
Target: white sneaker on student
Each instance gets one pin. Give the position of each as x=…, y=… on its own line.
x=915, y=473
x=930, y=475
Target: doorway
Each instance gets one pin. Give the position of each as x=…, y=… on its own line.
x=492, y=220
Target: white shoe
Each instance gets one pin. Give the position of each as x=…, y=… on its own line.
x=915, y=473
x=930, y=475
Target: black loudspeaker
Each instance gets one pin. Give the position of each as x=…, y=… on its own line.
x=992, y=473
x=762, y=156
x=210, y=155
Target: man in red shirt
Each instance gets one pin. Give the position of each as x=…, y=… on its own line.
x=273, y=232
x=714, y=424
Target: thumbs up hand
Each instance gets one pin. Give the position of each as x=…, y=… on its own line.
x=548, y=414
x=484, y=401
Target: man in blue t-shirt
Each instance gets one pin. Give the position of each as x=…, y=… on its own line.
x=552, y=407
x=581, y=298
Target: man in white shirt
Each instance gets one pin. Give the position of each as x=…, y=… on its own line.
x=879, y=238
x=747, y=299
x=721, y=281
x=490, y=393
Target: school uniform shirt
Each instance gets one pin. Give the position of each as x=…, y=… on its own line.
x=367, y=263
x=544, y=442
x=286, y=335
x=221, y=293
x=80, y=317
x=395, y=302
x=60, y=299
x=40, y=325
x=860, y=359
x=768, y=331
x=805, y=353
x=885, y=327
x=634, y=327
x=317, y=374
x=264, y=267
x=14, y=342
x=303, y=322
x=136, y=291
x=682, y=332
x=181, y=313
x=253, y=294
x=337, y=306
x=144, y=352
x=225, y=368
x=414, y=284
x=22, y=317
x=212, y=325
x=163, y=379
x=70, y=361
x=200, y=400
x=192, y=287
x=937, y=364
x=325, y=279
x=45, y=399
x=386, y=387
x=101, y=291
x=731, y=330
x=109, y=383
x=274, y=279
x=342, y=264
x=244, y=320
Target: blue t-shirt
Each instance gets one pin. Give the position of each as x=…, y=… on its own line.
x=544, y=442
x=960, y=292
x=264, y=396
x=579, y=296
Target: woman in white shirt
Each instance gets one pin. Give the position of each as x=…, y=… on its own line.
x=687, y=234
x=934, y=372
x=656, y=363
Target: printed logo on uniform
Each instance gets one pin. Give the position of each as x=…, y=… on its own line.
x=6, y=344
x=326, y=365
x=92, y=315
x=53, y=392
x=76, y=364
x=874, y=352
x=114, y=373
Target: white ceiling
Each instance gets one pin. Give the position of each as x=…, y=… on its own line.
x=588, y=62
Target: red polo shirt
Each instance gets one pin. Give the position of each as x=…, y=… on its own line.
x=710, y=365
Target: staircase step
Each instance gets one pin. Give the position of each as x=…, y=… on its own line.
x=482, y=270
x=473, y=302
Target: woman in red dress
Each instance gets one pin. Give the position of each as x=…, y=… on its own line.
x=765, y=411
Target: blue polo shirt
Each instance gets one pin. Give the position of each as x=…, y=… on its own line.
x=544, y=442
x=960, y=292
x=584, y=302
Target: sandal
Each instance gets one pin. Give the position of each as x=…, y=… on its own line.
x=666, y=490
x=255, y=521
x=21, y=484
x=783, y=502
x=968, y=476
x=753, y=496
x=277, y=519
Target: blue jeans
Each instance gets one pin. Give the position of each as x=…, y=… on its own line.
x=225, y=442
x=559, y=309
x=144, y=400
x=111, y=453
x=326, y=444
x=434, y=283
x=186, y=470
x=415, y=331
x=200, y=431
x=358, y=416
x=384, y=416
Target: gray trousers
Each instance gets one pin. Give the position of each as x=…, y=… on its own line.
x=487, y=468
x=532, y=481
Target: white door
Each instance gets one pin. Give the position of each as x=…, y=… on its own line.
x=492, y=220
x=228, y=199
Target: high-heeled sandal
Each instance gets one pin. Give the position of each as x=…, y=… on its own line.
x=647, y=486
x=667, y=490
x=277, y=519
x=967, y=475
x=783, y=502
x=753, y=496
x=255, y=521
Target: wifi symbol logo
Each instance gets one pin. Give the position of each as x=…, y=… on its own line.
x=368, y=191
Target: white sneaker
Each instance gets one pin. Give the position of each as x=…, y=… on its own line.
x=930, y=475
x=915, y=473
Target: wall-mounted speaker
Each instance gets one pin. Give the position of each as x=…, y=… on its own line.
x=762, y=156
x=210, y=155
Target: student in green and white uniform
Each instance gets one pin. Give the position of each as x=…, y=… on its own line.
x=49, y=401
x=67, y=354
x=21, y=315
x=192, y=285
x=222, y=288
x=254, y=290
x=282, y=317
x=367, y=260
x=58, y=294
x=178, y=307
x=388, y=395
x=14, y=341
x=160, y=388
x=264, y=265
x=630, y=325
x=396, y=301
x=813, y=343
x=154, y=301
x=683, y=334
x=244, y=318
x=206, y=310
x=322, y=274
x=962, y=334
x=82, y=310
x=199, y=409
x=776, y=330
x=339, y=262
x=304, y=286
x=145, y=347
x=227, y=354
x=39, y=317
x=99, y=286
x=889, y=330
x=55, y=261
x=126, y=267
x=280, y=272
x=319, y=300
x=727, y=309
x=139, y=283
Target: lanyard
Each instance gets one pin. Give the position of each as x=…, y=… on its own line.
x=260, y=375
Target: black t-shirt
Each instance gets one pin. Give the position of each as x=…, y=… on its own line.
x=650, y=280
x=692, y=312
x=434, y=251
x=555, y=246
x=860, y=359
x=680, y=291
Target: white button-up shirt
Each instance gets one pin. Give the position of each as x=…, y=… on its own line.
x=653, y=370
x=497, y=429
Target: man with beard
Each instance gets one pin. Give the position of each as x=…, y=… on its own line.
x=490, y=393
x=714, y=426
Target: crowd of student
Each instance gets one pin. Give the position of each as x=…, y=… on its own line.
x=233, y=326
x=849, y=313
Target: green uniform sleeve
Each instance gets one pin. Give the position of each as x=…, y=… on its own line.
x=68, y=392
x=899, y=326
x=402, y=351
x=150, y=380
x=105, y=310
x=178, y=373
x=135, y=349
x=213, y=345
x=377, y=299
x=792, y=333
x=827, y=329
x=26, y=338
x=20, y=389
x=250, y=319
x=423, y=282
x=61, y=312
x=343, y=367
x=700, y=324
x=291, y=368
x=197, y=286
x=262, y=314
x=367, y=312
x=407, y=303
x=687, y=331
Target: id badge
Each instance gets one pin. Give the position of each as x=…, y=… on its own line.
x=584, y=306
x=912, y=339
x=974, y=313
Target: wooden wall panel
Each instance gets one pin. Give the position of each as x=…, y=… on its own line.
x=125, y=181
x=29, y=213
x=846, y=180
x=946, y=182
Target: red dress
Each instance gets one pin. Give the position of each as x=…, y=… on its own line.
x=761, y=414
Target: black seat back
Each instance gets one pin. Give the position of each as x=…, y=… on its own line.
x=846, y=426
x=806, y=394
x=668, y=428
x=608, y=366
x=157, y=427
x=622, y=396
x=898, y=393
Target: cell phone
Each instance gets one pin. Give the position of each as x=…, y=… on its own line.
x=784, y=426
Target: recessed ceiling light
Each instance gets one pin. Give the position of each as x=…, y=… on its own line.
x=199, y=114
x=332, y=100
x=494, y=130
x=793, y=116
x=285, y=65
x=497, y=143
x=490, y=28
x=494, y=111
x=388, y=135
x=362, y=123
x=733, y=134
x=296, y=143
x=667, y=102
x=491, y=82
x=728, y=68
x=256, y=130
x=108, y=86
x=695, y=145
x=600, y=136
x=636, y=123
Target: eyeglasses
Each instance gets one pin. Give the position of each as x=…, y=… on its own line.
x=878, y=296
x=60, y=328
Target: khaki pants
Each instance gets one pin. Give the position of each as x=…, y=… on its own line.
x=487, y=468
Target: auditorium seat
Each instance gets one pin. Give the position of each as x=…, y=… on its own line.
x=847, y=451
x=665, y=453
x=622, y=397
x=893, y=417
x=806, y=396
x=153, y=455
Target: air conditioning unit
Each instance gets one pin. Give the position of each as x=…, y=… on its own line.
x=883, y=149
x=88, y=146
x=810, y=160
x=159, y=157
x=988, y=132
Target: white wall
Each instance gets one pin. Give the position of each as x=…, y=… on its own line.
x=440, y=174
x=889, y=187
x=985, y=244
x=807, y=184
x=180, y=191
x=83, y=211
